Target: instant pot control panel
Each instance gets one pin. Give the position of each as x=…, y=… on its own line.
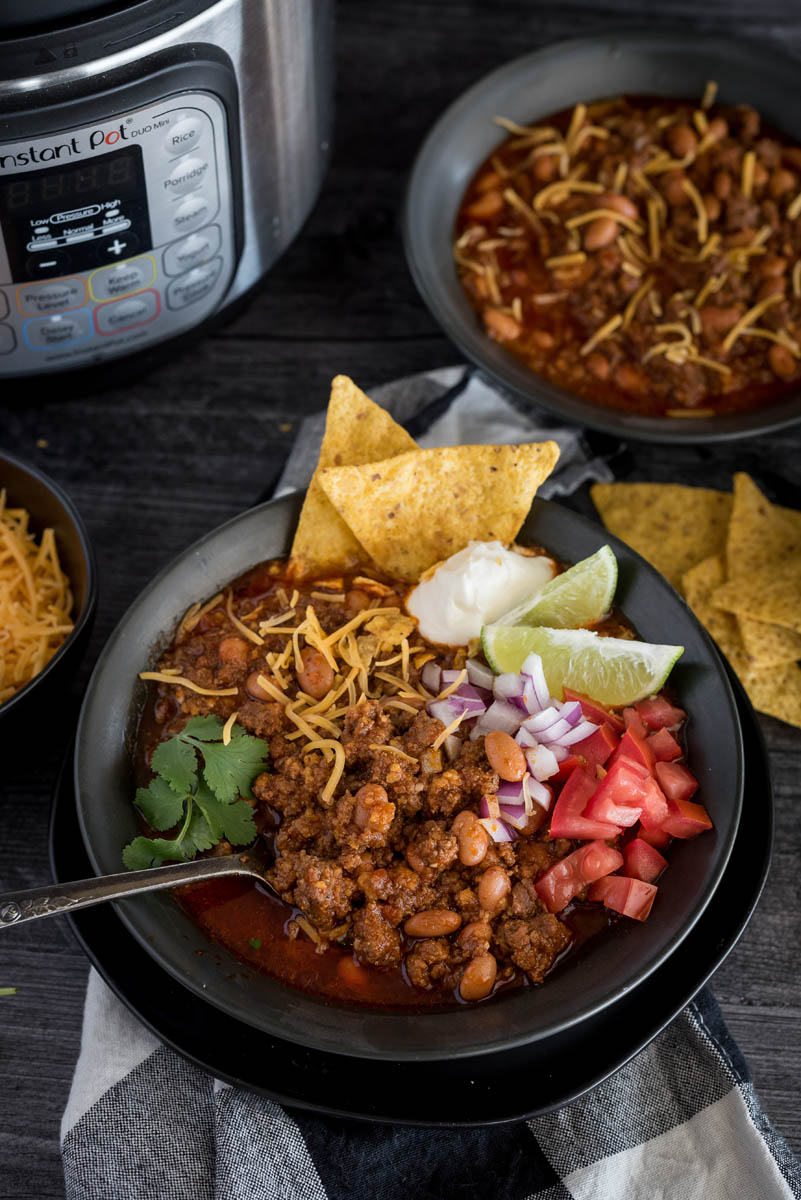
x=114, y=235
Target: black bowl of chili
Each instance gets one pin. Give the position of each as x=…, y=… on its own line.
x=643, y=67
x=593, y=978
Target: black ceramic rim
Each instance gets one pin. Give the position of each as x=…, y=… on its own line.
x=90, y=599
x=98, y=933
x=171, y=938
x=449, y=306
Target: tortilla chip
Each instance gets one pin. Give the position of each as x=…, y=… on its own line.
x=776, y=600
x=699, y=585
x=411, y=511
x=776, y=692
x=768, y=645
x=761, y=535
x=672, y=526
x=356, y=431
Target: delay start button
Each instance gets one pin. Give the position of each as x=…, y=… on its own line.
x=47, y=333
x=118, y=315
x=57, y=296
x=193, y=286
x=186, y=176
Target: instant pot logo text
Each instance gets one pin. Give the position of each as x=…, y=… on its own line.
x=76, y=145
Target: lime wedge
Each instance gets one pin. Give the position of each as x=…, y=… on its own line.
x=613, y=671
x=579, y=596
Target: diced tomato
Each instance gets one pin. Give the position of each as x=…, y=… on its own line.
x=654, y=805
x=675, y=780
x=620, y=795
x=634, y=721
x=596, y=748
x=642, y=861
x=685, y=819
x=659, y=713
x=567, y=819
x=635, y=747
x=631, y=897
x=595, y=712
x=557, y=886
x=664, y=746
x=566, y=767
x=654, y=837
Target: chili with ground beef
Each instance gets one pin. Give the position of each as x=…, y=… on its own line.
x=393, y=893
x=643, y=253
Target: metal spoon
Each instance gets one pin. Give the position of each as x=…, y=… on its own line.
x=57, y=898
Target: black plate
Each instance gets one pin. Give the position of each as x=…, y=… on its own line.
x=505, y=1086
x=671, y=64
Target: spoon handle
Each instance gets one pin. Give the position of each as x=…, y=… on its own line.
x=57, y=898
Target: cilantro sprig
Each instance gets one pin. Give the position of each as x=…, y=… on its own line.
x=197, y=787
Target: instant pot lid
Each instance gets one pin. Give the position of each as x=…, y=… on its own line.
x=21, y=14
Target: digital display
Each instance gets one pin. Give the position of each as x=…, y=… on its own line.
x=74, y=217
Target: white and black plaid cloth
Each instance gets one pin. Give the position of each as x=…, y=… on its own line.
x=681, y=1121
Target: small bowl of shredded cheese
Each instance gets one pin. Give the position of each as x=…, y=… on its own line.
x=47, y=582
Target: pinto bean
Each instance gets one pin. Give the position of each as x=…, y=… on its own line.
x=505, y=756
x=479, y=976
x=487, y=205
x=491, y=179
x=493, y=888
x=472, y=837
x=681, y=140
x=542, y=339
x=717, y=129
x=372, y=806
x=721, y=185
x=718, y=319
x=619, y=203
x=781, y=182
x=234, y=650
x=254, y=688
x=316, y=675
x=434, y=922
x=774, y=286
x=771, y=265
x=598, y=365
x=476, y=934
x=500, y=325
x=631, y=379
x=760, y=175
x=712, y=206
x=544, y=167
x=356, y=601
x=600, y=232
x=673, y=188
x=781, y=361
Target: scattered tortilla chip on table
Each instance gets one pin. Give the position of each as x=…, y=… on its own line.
x=672, y=526
x=776, y=692
x=411, y=511
x=768, y=645
x=699, y=585
x=356, y=431
x=776, y=600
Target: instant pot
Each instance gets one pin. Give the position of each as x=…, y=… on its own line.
x=155, y=159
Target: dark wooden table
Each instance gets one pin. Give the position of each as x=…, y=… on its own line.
x=154, y=464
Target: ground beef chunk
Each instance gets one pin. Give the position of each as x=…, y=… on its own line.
x=323, y=892
x=524, y=900
x=432, y=963
x=533, y=943
x=475, y=939
x=264, y=718
x=535, y=855
x=445, y=796
x=477, y=776
x=295, y=787
x=422, y=733
x=374, y=939
x=432, y=850
x=397, y=888
x=366, y=725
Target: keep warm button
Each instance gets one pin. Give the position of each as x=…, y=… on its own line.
x=118, y=315
x=194, y=285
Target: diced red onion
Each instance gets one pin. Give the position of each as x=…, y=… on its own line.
x=532, y=667
x=507, y=687
x=542, y=762
x=499, y=831
x=578, y=733
x=555, y=733
x=466, y=691
x=452, y=746
x=489, y=807
x=510, y=793
x=502, y=715
x=524, y=738
x=571, y=711
x=542, y=722
x=536, y=791
x=430, y=677
x=449, y=676
x=514, y=815
x=560, y=753
x=479, y=674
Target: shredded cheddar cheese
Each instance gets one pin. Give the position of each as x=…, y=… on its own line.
x=448, y=730
x=747, y=319
x=182, y=681
x=227, y=727
x=609, y=327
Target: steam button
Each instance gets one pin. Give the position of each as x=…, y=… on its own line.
x=191, y=213
x=183, y=136
x=186, y=176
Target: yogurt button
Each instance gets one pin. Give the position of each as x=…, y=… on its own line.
x=192, y=251
x=186, y=176
x=193, y=286
x=183, y=136
x=191, y=213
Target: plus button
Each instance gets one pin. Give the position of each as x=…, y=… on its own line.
x=116, y=247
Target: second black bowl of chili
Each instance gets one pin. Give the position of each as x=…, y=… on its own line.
x=624, y=250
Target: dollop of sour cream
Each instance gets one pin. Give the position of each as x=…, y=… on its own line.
x=474, y=587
